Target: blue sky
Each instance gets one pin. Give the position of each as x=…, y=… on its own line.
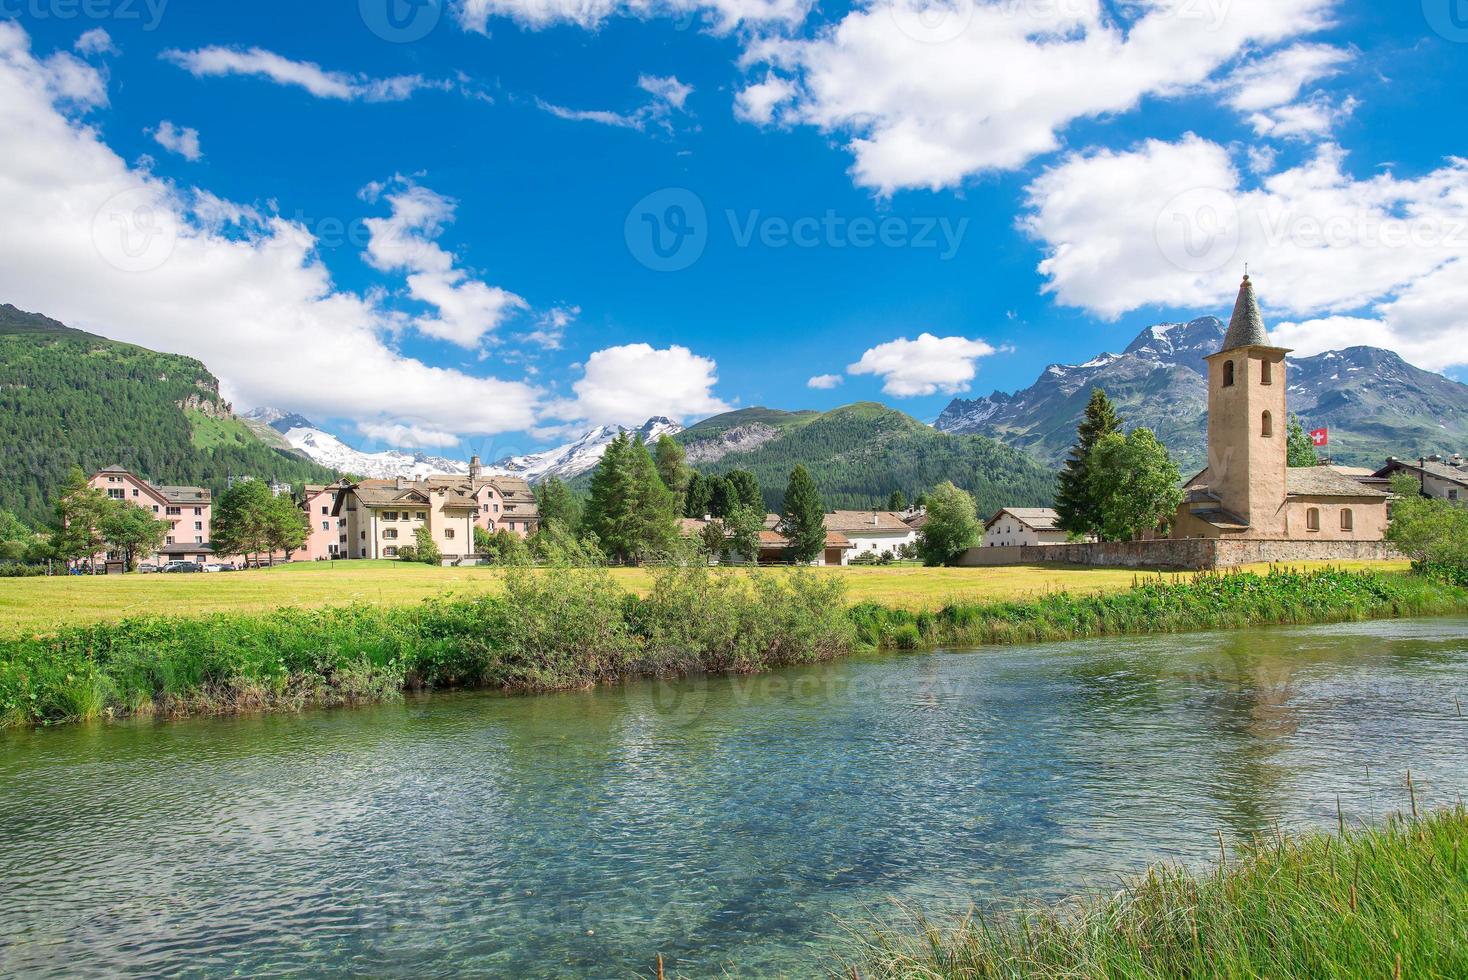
x=446, y=241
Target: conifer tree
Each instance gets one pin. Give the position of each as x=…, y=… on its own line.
x=745, y=489
x=803, y=520
x=558, y=503
x=698, y=498
x=1075, y=499
x=673, y=468
x=897, y=502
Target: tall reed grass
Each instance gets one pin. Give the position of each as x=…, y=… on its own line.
x=1387, y=902
x=566, y=628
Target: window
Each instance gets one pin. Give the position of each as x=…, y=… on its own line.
x=389, y=515
x=1452, y=494
x=1266, y=426
x=198, y=539
x=448, y=533
x=1312, y=519
x=198, y=525
x=116, y=494
x=496, y=508
x=135, y=491
x=390, y=552
x=326, y=525
x=198, y=512
x=175, y=512
x=1266, y=373
x=325, y=510
x=391, y=534
x=169, y=540
x=1348, y=520
x=418, y=516
x=1228, y=374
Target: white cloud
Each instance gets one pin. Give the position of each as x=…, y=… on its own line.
x=550, y=327
x=930, y=92
x=96, y=41
x=1171, y=224
x=111, y=249
x=924, y=366
x=825, y=382
x=407, y=436
x=721, y=15
x=1310, y=118
x=665, y=89
x=757, y=102
x=1278, y=79
x=217, y=61
x=627, y=385
x=467, y=308
x=183, y=140
x=668, y=95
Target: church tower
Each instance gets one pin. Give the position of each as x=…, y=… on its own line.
x=1247, y=425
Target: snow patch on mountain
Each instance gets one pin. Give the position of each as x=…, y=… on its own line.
x=575, y=458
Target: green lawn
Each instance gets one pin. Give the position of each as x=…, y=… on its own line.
x=42, y=604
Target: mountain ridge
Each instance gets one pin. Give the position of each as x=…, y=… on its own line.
x=1374, y=403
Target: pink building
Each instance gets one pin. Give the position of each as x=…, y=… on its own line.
x=328, y=533
x=187, y=510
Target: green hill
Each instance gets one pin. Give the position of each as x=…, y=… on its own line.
x=71, y=398
x=860, y=453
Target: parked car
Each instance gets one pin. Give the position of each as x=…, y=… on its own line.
x=183, y=566
x=212, y=568
x=147, y=568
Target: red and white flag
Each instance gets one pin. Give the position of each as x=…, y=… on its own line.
x=1321, y=437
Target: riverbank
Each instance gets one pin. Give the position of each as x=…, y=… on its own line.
x=566, y=629
x=1373, y=902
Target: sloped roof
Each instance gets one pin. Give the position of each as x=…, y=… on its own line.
x=1034, y=518
x=865, y=521
x=1440, y=470
x=1246, y=327
x=185, y=495
x=1322, y=481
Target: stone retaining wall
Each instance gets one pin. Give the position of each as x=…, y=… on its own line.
x=1195, y=554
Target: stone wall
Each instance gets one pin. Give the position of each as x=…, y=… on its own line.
x=1194, y=554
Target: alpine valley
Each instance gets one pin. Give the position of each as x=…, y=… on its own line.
x=1374, y=403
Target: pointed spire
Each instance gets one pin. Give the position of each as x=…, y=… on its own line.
x=1246, y=328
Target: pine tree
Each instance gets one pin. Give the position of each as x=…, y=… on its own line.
x=558, y=503
x=605, y=514
x=654, y=513
x=1075, y=501
x=803, y=520
x=698, y=498
x=897, y=502
x=673, y=468
x=631, y=512
x=745, y=490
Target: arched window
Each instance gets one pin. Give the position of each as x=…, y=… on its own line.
x=1266, y=373
x=1312, y=519
x=1266, y=427
x=1228, y=374
x=1348, y=521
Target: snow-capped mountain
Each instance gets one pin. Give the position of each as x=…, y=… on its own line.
x=1373, y=402
x=564, y=462
x=575, y=458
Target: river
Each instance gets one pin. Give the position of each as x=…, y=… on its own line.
x=723, y=822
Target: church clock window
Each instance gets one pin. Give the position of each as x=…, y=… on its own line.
x=1266, y=426
x=1228, y=374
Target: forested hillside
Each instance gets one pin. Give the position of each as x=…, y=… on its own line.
x=860, y=453
x=69, y=398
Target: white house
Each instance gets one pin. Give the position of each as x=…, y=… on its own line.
x=871, y=532
x=1023, y=526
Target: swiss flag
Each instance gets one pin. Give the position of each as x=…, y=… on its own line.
x=1321, y=437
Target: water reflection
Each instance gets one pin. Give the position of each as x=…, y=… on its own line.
x=718, y=821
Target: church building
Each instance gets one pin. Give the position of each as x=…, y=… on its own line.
x=1248, y=492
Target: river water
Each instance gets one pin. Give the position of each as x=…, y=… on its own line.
x=727, y=823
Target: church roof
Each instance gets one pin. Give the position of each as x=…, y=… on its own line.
x=1246, y=328
x=1322, y=481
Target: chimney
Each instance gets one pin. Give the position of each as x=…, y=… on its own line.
x=876, y=520
x=401, y=484
x=474, y=468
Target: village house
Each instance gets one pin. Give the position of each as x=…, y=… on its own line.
x=186, y=509
x=1024, y=526
x=326, y=535
x=1445, y=479
x=774, y=547
x=872, y=532
x=379, y=517
x=1248, y=491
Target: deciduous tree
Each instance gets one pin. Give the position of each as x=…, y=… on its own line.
x=952, y=526
x=1300, y=448
x=132, y=532
x=1134, y=483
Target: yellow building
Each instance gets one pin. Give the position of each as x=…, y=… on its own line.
x=1248, y=491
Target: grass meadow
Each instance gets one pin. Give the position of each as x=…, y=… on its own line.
x=43, y=605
